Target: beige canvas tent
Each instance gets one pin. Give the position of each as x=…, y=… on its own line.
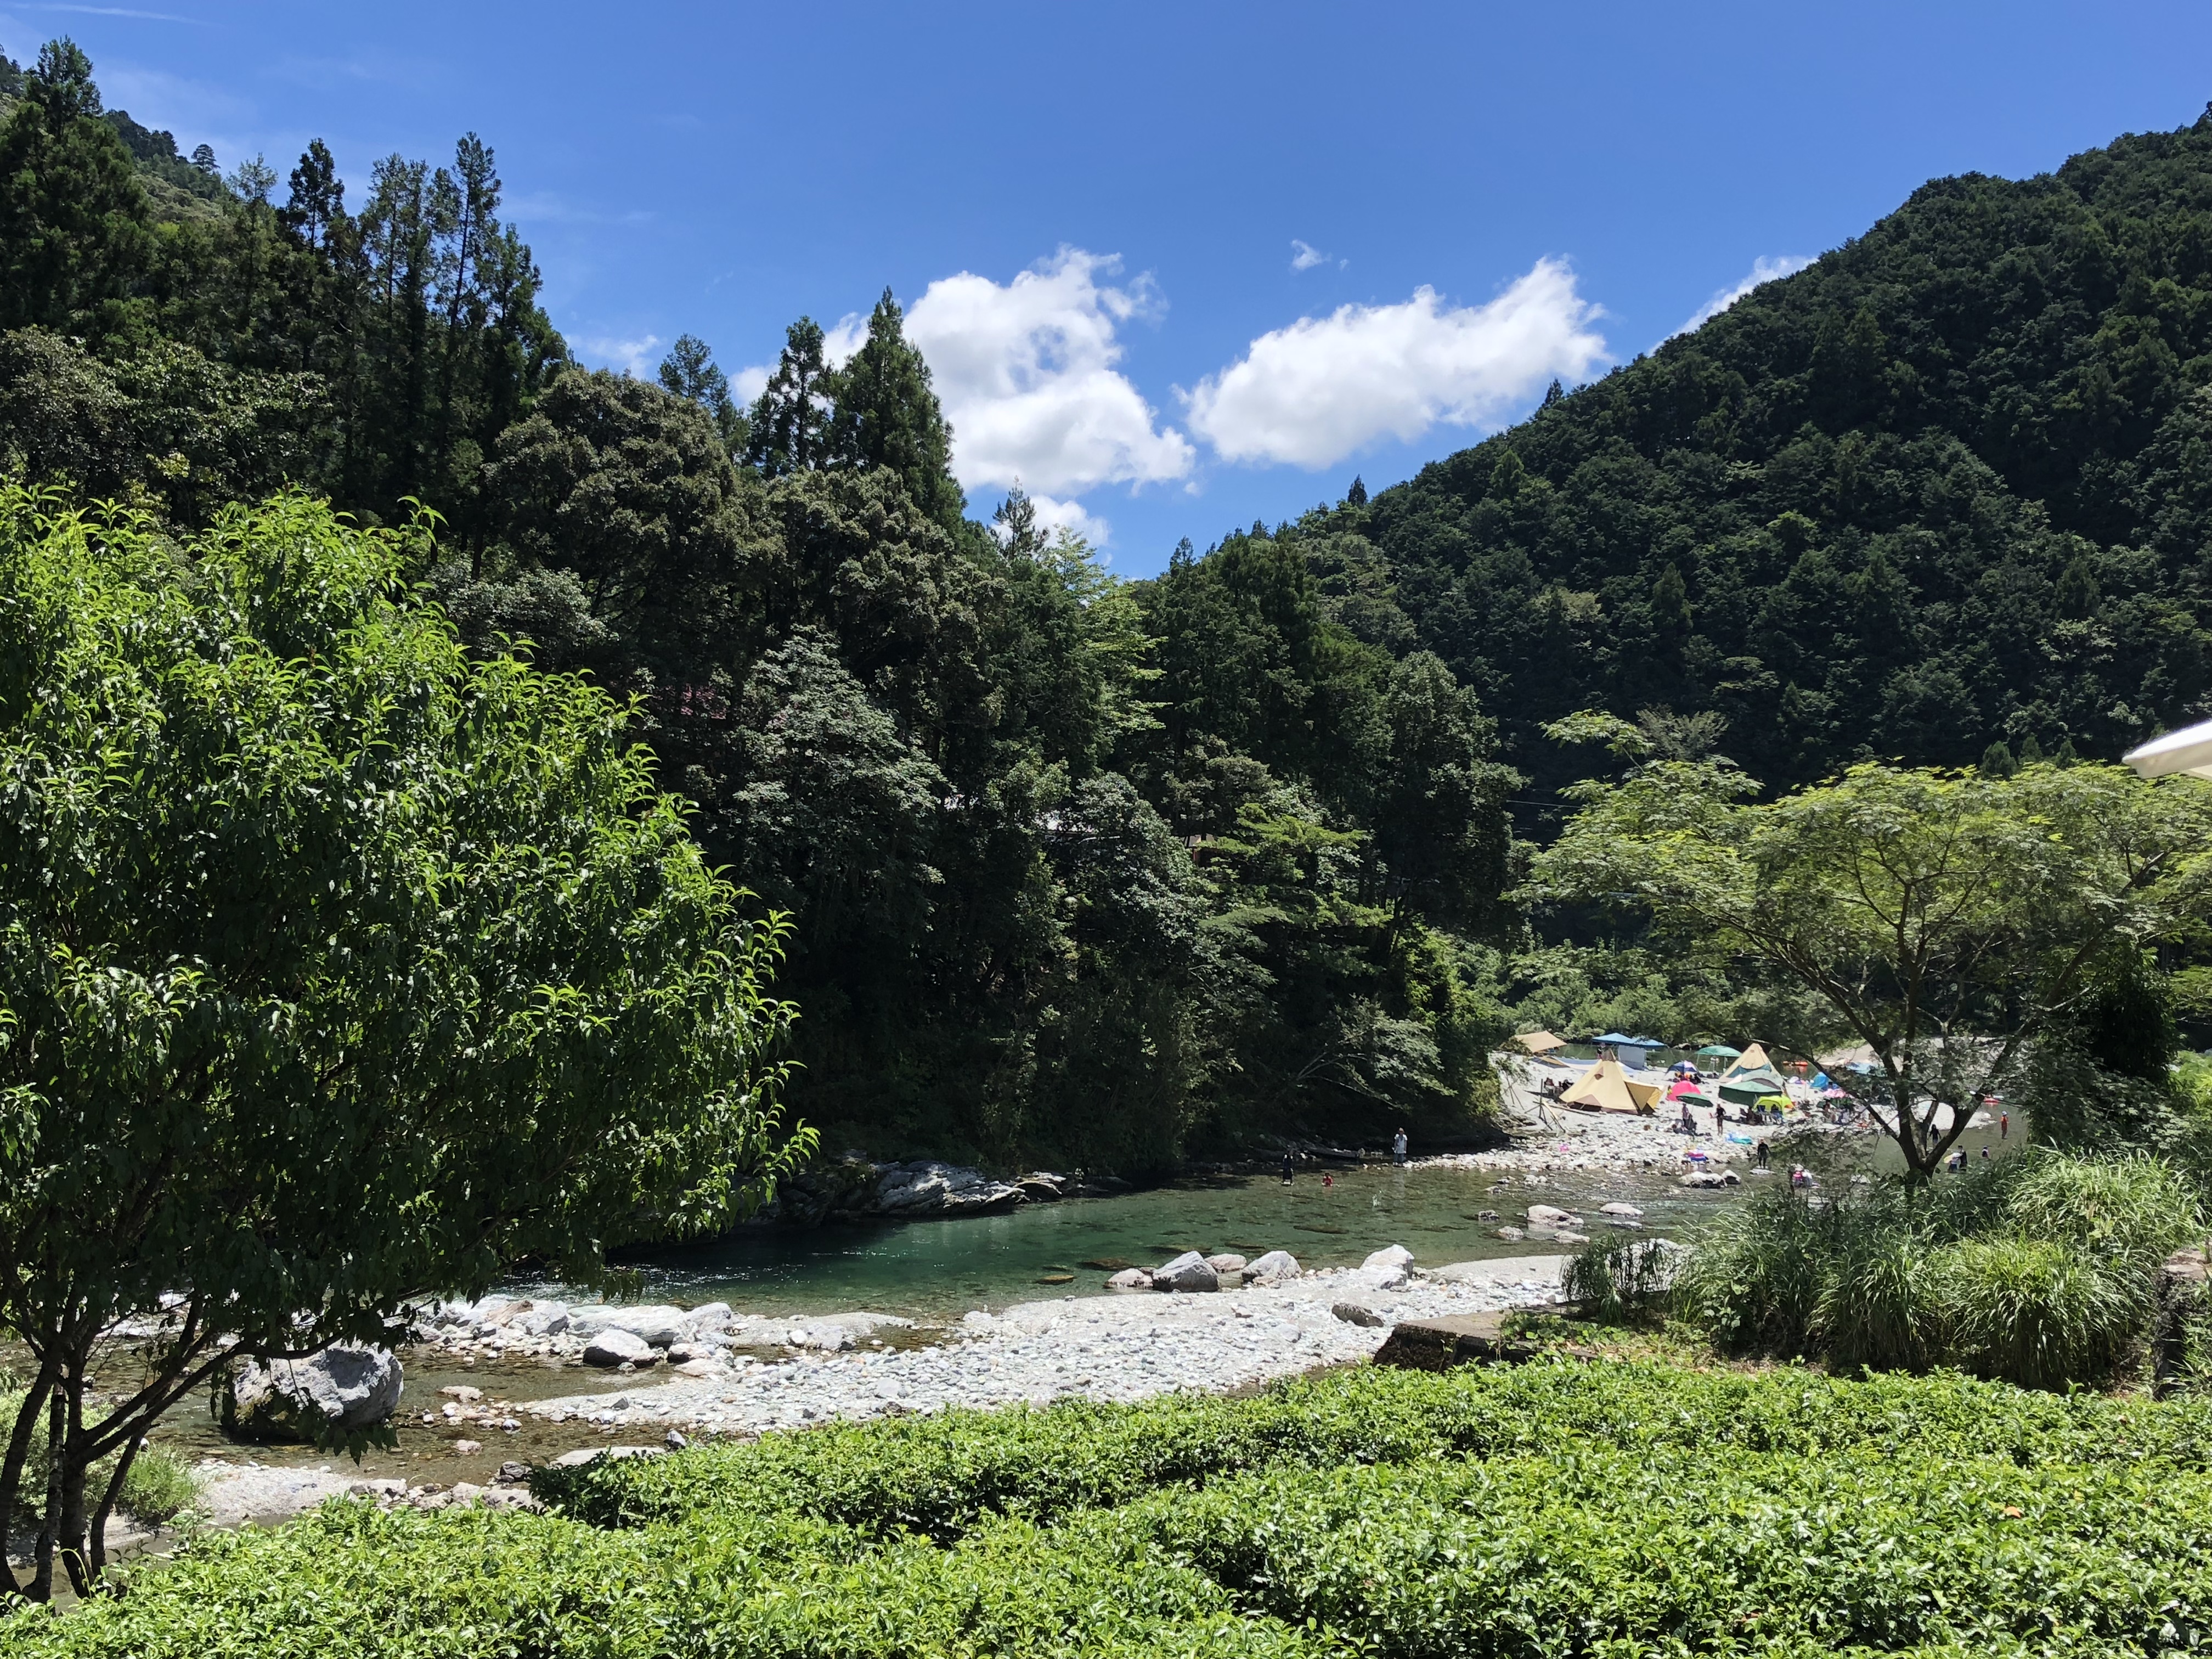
x=1753, y=1059
x=1607, y=1088
x=1538, y=1043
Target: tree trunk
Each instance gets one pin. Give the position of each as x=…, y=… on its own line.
x=42, y=1571
x=97, y=1552
x=11, y=1471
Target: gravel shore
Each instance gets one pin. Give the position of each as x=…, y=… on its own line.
x=1110, y=1347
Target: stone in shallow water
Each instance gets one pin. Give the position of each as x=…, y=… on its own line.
x=1187, y=1271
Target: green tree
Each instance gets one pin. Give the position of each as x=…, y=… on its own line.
x=787, y=419
x=631, y=491
x=690, y=371
x=886, y=415
x=336, y=969
x=1944, y=919
x=73, y=241
x=1440, y=815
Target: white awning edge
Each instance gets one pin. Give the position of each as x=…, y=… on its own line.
x=2189, y=750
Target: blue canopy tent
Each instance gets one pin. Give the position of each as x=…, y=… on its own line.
x=1632, y=1051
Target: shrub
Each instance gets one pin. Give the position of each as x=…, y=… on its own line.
x=2039, y=1269
x=160, y=1486
x=2034, y=1312
x=1620, y=1278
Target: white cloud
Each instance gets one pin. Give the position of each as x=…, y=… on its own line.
x=1325, y=388
x=1304, y=256
x=1025, y=371
x=634, y=357
x=843, y=337
x=1071, y=515
x=1763, y=270
x=747, y=384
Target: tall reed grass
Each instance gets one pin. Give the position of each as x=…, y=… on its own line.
x=2040, y=1270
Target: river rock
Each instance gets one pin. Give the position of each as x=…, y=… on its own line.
x=615, y=1346
x=1547, y=1215
x=713, y=1317
x=1390, y=1269
x=1130, y=1278
x=1187, y=1271
x=341, y=1389
x=1354, y=1313
x=1228, y=1262
x=657, y=1325
x=1273, y=1268
x=1041, y=1186
x=1569, y=1236
x=1711, y=1178
x=1511, y=1235
x=928, y=1187
x=466, y=1448
x=1620, y=1209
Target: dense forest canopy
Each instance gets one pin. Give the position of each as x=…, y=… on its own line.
x=1104, y=872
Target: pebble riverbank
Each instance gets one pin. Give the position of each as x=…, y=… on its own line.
x=1107, y=1348
x=1110, y=1347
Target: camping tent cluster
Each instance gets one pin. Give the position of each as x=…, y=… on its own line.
x=1618, y=1081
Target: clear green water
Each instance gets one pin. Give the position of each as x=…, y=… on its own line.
x=931, y=1269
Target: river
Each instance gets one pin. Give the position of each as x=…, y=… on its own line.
x=931, y=1270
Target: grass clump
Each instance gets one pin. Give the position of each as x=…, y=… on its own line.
x=2040, y=1271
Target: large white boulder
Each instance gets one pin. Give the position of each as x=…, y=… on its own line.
x=1550, y=1215
x=1187, y=1271
x=1273, y=1268
x=613, y=1346
x=1390, y=1269
x=339, y=1389
x=657, y=1324
x=1130, y=1278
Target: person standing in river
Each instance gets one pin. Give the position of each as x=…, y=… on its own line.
x=1398, y=1147
x=1289, y=1166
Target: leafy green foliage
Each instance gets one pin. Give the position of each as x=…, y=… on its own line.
x=1948, y=921
x=337, y=966
x=1548, y=1510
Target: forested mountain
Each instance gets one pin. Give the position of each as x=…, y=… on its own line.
x=1103, y=873
x=1945, y=490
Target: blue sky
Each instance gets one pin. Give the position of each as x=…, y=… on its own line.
x=1176, y=267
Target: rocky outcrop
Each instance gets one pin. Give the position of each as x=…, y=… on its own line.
x=928, y=1187
x=1276, y=1267
x=852, y=1189
x=332, y=1392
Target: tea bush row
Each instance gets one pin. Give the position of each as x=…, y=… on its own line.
x=1547, y=1511
x=940, y=1474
